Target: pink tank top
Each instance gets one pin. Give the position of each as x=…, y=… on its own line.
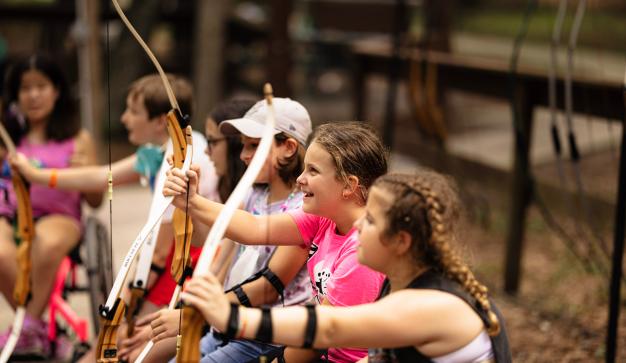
x=44, y=200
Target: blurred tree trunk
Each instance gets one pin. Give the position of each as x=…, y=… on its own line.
x=208, y=56
x=279, y=58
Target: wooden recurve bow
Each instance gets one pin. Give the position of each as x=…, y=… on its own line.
x=25, y=234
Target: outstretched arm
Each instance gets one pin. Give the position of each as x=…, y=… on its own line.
x=405, y=318
x=245, y=228
x=85, y=179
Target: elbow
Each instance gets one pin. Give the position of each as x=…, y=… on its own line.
x=327, y=332
x=94, y=200
x=270, y=297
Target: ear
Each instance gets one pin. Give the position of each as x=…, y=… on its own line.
x=351, y=187
x=161, y=122
x=402, y=242
x=290, y=147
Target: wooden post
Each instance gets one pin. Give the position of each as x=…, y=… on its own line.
x=618, y=252
x=89, y=66
x=279, y=59
x=521, y=187
x=208, y=56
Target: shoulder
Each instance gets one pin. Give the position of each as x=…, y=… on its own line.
x=429, y=302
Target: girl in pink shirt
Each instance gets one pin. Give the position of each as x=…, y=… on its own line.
x=41, y=122
x=341, y=163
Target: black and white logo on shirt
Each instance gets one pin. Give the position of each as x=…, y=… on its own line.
x=322, y=275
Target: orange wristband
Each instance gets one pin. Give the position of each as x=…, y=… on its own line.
x=52, y=183
x=242, y=331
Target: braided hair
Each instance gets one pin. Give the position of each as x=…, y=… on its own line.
x=427, y=206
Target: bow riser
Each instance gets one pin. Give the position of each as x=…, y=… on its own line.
x=25, y=231
x=136, y=295
x=193, y=322
x=106, y=348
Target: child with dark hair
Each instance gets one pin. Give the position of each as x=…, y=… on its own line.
x=431, y=307
x=41, y=121
x=340, y=165
x=224, y=150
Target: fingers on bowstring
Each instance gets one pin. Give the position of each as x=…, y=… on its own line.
x=172, y=187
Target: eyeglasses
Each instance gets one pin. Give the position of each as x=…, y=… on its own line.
x=211, y=141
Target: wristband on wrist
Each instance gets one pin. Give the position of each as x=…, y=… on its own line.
x=158, y=269
x=52, y=182
x=233, y=321
x=311, y=326
x=265, y=333
x=242, y=331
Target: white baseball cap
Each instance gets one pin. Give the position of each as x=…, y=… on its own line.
x=291, y=118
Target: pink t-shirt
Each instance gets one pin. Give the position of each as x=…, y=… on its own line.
x=335, y=271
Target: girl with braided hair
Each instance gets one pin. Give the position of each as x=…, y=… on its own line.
x=431, y=307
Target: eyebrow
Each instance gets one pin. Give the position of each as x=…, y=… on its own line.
x=313, y=165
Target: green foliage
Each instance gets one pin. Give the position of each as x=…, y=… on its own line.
x=600, y=29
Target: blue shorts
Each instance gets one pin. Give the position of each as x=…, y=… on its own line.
x=214, y=350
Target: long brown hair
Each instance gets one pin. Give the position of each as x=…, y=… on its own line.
x=235, y=168
x=426, y=205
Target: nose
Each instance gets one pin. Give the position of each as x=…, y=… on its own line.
x=359, y=222
x=124, y=117
x=301, y=180
x=245, y=155
x=32, y=93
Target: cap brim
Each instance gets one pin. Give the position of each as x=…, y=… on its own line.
x=243, y=126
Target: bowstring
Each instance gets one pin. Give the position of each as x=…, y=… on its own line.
x=110, y=173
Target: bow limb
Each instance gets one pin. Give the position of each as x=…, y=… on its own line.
x=188, y=347
x=183, y=228
x=25, y=233
x=131, y=28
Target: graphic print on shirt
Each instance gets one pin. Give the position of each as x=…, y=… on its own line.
x=312, y=250
x=322, y=275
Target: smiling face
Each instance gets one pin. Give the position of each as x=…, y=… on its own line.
x=37, y=96
x=142, y=129
x=375, y=249
x=322, y=190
